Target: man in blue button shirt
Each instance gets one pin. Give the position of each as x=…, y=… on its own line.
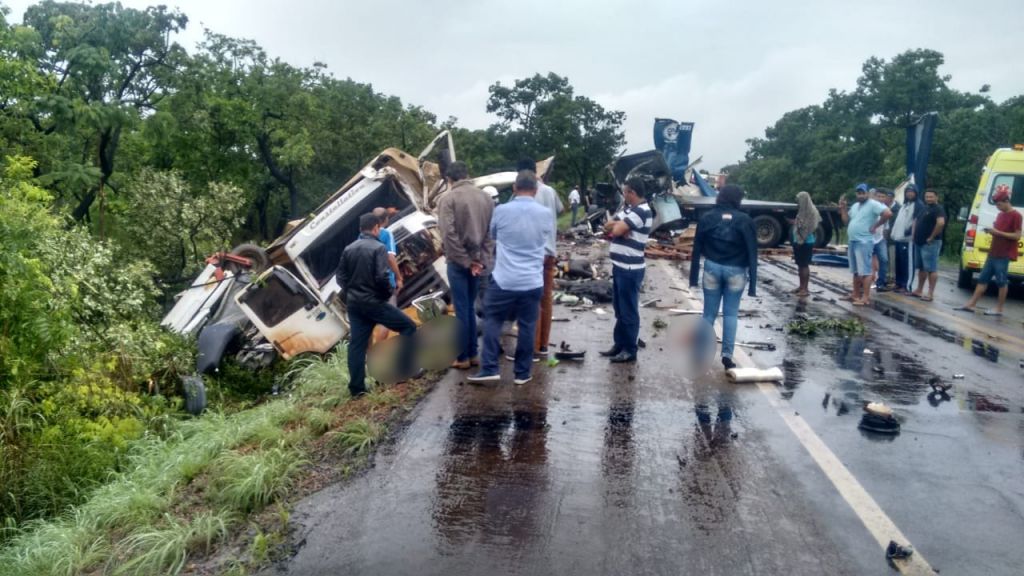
x=862, y=219
x=521, y=229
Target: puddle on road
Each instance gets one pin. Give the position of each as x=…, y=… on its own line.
x=977, y=347
x=896, y=377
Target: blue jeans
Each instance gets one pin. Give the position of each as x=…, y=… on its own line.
x=464, y=287
x=362, y=317
x=626, y=303
x=499, y=304
x=904, y=264
x=996, y=271
x=859, y=253
x=723, y=286
x=881, y=251
x=927, y=256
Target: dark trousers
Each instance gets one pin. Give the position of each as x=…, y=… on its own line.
x=362, y=318
x=904, y=257
x=499, y=305
x=626, y=303
x=463, y=287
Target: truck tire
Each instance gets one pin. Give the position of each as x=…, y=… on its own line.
x=258, y=256
x=768, y=230
x=822, y=236
x=964, y=279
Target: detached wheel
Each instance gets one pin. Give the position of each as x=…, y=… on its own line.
x=255, y=254
x=769, y=231
x=965, y=279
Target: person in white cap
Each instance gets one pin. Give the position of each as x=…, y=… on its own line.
x=492, y=192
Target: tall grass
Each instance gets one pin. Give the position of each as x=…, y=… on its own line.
x=247, y=482
x=315, y=376
x=358, y=436
x=132, y=500
x=63, y=548
x=164, y=549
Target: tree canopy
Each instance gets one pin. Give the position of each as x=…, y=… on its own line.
x=859, y=136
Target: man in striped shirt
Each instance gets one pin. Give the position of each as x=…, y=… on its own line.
x=629, y=230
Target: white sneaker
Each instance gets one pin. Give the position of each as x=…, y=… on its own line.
x=523, y=380
x=481, y=378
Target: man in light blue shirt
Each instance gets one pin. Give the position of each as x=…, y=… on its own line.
x=546, y=196
x=521, y=229
x=862, y=220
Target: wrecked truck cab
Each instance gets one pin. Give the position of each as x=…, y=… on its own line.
x=293, y=306
x=289, y=315
x=658, y=185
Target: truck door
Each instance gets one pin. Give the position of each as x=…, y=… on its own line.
x=288, y=314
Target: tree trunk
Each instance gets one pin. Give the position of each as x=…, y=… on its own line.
x=109, y=139
x=263, y=140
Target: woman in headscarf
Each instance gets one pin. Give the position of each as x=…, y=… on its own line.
x=804, y=226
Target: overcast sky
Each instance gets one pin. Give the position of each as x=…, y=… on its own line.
x=733, y=69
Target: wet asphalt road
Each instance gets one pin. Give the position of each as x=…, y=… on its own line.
x=647, y=469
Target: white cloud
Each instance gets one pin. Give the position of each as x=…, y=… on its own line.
x=727, y=111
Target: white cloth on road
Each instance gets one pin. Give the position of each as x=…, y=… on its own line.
x=744, y=375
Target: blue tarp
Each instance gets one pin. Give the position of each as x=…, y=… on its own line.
x=705, y=190
x=831, y=260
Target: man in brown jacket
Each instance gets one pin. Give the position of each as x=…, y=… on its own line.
x=464, y=217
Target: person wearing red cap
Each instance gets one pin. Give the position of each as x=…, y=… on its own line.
x=1005, y=235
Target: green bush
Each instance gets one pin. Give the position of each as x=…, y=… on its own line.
x=80, y=354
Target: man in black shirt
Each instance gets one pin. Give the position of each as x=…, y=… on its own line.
x=365, y=289
x=928, y=227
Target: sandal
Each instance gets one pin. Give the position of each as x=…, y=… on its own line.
x=925, y=298
x=861, y=303
x=993, y=313
x=963, y=309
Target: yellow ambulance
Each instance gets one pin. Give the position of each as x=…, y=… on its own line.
x=1005, y=166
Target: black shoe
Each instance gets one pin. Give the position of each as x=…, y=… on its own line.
x=728, y=363
x=896, y=552
x=622, y=357
x=613, y=351
x=358, y=393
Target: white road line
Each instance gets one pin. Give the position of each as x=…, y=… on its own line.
x=881, y=527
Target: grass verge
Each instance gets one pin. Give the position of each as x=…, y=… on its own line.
x=197, y=499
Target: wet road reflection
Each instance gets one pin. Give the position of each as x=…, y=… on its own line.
x=493, y=471
x=618, y=453
x=711, y=475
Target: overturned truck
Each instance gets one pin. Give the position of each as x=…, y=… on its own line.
x=680, y=205
x=259, y=304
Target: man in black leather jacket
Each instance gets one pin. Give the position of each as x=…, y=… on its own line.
x=365, y=289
